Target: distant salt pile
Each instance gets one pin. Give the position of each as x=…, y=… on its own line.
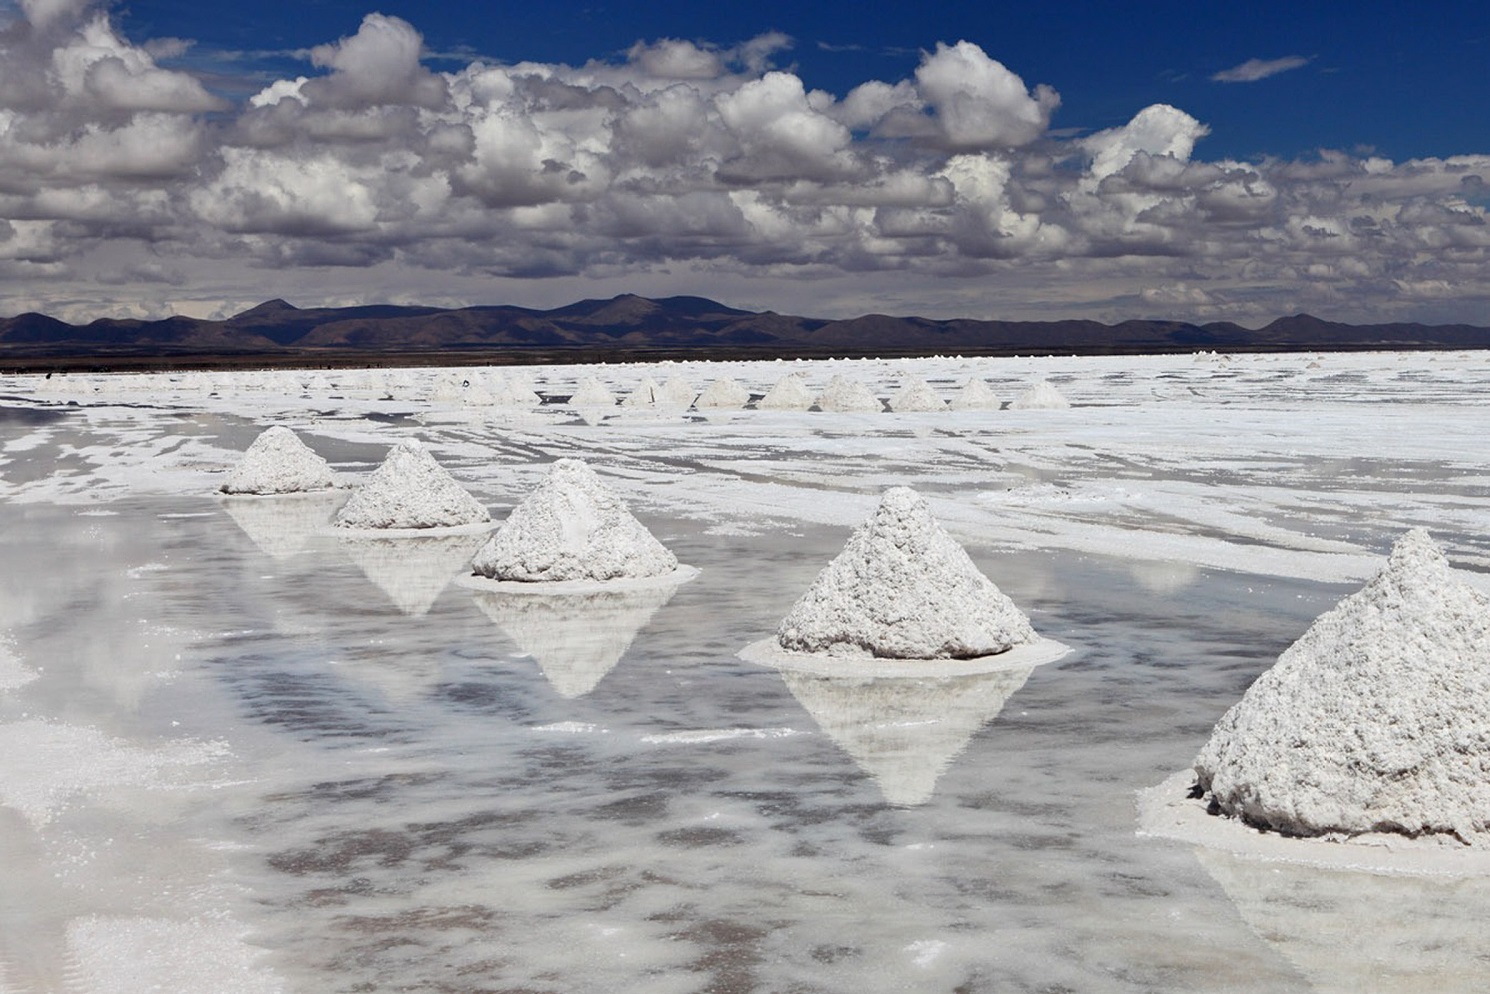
x=845, y=396
x=475, y=392
x=279, y=463
x=723, y=394
x=592, y=394
x=975, y=395
x=1376, y=720
x=1040, y=396
x=572, y=527
x=916, y=395
x=676, y=392
x=789, y=394
x=410, y=490
x=645, y=395
x=903, y=589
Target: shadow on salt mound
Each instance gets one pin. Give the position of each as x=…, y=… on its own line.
x=284, y=525
x=904, y=733
x=573, y=529
x=279, y=463
x=576, y=638
x=1366, y=744
x=412, y=570
x=410, y=493
x=1347, y=932
x=903, y=599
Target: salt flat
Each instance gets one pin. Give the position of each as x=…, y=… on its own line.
x=244, y=753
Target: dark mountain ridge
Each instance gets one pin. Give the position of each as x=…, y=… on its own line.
x=629, y=326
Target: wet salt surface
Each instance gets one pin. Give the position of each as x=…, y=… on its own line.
x=330, y=777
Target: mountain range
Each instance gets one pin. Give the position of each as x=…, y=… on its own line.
x=630, y=326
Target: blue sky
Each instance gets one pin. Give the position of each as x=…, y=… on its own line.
x=1191, y=160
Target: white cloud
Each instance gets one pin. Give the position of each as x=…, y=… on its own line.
x=978, y=103
x=1254, y=69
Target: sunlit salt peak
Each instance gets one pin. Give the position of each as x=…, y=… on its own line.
x=917, y=395
x=1039, y=396
x=902, y=588
x=572, y=527
x=646, y=394
x=843, y=395
x=723, y=394
x=592, y=393
x=1376, y=720
x=676, y=392
x=410, y=490
x=975, y=395
x=279, y=463
x=789, y=394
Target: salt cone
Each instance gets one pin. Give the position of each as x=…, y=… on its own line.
x=843, y=395
x=789, y=394
x=723, y=394
x=1040, y=396
x=410, y=490
x=917, y=395
x=903, y=589
x=572, y=527
x=975, y=395
x=1376, y=720
x=279, y=463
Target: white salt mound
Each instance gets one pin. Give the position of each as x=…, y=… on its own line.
x=845, y=396
x=1376, y=720
x=723, y=394
x=410, y=490
x=975, y=395
x=646, y=394
x=676, y=392
x=279, y=463
x=1040, y=396
x=917, y=395
x=902, y=588
x=592, y=393
x=789, y=394
x=572, y=527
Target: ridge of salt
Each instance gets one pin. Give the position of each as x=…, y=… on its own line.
x=410, y=490
x=917, y=395
x=279, y=463
x=572, y=527
x=1376, y=720
x=789, y=394
x=723, y=393
x=843, y=395
x=902, y=588
x=1040, y=396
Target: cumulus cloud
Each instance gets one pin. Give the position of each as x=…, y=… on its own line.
x=684, y=166
x=1254, y=69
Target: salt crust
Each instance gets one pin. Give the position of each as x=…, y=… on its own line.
x=410, y=491
x=1376, y=720
x=723, y=394
x=1040, y=396
x=843, y=395
x=279, y=463
x=902, y=588
x=572, y=527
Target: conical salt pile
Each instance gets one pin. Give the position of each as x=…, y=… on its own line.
x=1040, y=396
x=975, y=395
x=279, y=463
x=410, y=490
x=572, y=527
x=592, y=394
x=917, y=395
x=723, y=394
x=646, y=394
x=676, y=392
x=789, y=394
x=844, y=396
x=903, y=589
x=1376, y=720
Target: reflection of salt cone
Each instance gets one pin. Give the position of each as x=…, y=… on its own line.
x=33, y=926
x=576, y=638
x=283, y=526
x=904, y=732
x=1350, y=931
x=412, y=571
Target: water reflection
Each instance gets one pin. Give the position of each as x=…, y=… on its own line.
x=1347, y=931
x=283, y=526
x=904, y=732
x=412, y=570
x=576, y=638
